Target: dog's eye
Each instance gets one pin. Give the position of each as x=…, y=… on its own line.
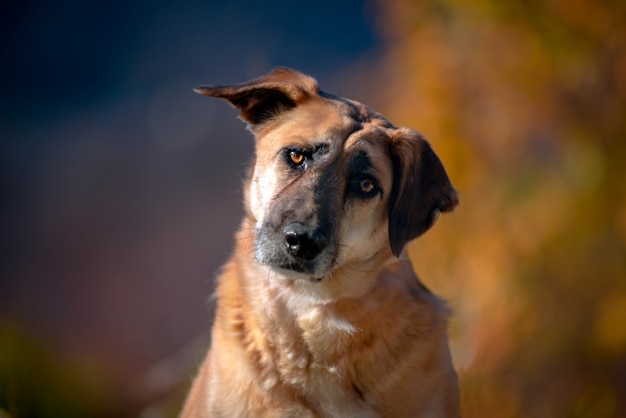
x=296, y=158
x=366, y=187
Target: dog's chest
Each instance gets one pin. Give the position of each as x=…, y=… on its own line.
x=316, y=363
x=339, y=400
x=327, y=388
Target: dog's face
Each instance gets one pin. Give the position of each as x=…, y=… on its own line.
x=334, y=185
x=320, y=190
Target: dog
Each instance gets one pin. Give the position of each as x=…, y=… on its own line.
x=319, y=312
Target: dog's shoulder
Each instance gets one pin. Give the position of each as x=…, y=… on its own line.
x=399, y=279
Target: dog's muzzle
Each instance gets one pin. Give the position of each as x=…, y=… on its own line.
x=296, y=247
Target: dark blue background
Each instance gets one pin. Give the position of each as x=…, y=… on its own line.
x=58, y=56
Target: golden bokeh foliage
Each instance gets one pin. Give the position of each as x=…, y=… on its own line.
x=525, y=102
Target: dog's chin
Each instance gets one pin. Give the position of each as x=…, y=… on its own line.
x=295, y=271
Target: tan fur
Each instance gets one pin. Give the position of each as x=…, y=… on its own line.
x=353, y=333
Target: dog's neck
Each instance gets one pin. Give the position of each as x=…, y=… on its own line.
x=313, y=318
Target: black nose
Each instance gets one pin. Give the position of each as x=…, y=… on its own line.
x=303, y=242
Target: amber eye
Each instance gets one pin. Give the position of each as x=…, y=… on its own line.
x=297, y=158
x=367, y=186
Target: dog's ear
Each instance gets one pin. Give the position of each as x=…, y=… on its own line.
x=421, y=188
x=265, y=97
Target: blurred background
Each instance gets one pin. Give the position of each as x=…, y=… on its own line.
x=121, y=189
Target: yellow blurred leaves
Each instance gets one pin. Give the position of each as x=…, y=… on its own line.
x=610, y=324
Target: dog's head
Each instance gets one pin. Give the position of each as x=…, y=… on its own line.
x=334, y=184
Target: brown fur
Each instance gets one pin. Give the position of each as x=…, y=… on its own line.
x=315, y=316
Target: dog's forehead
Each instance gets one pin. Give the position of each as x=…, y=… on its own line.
x=342, y=123
x=367, y=131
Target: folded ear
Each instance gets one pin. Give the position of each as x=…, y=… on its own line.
x=265, y=97
x=421, y=188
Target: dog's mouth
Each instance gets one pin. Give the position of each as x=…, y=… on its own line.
x=297, y=271
x=295, y=267
x=280, y=261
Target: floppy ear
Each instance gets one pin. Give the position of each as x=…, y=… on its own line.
x=265, y=97
x=421, y=188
